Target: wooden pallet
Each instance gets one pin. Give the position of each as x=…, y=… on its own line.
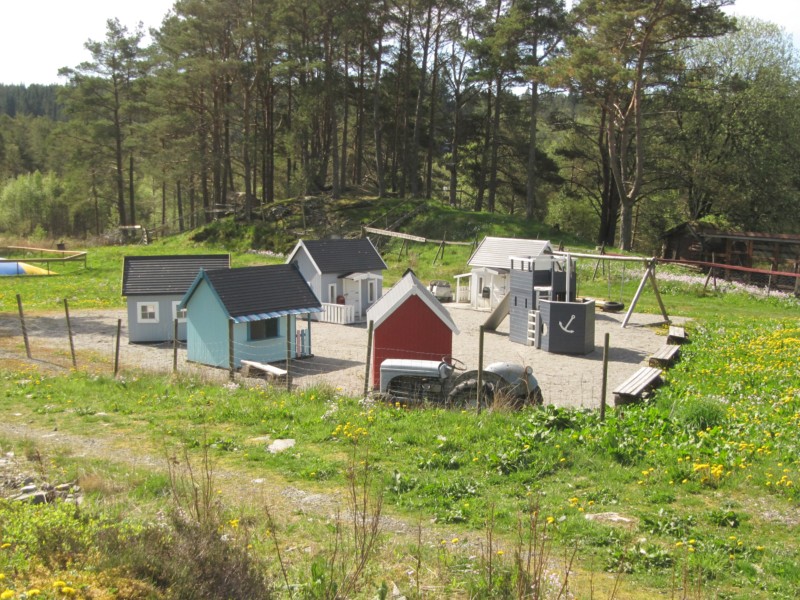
x=634, y=388
x=665, y=356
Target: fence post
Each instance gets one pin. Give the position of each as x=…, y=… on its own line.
x=369, y=356
x=480, y=367
x=288, y=355
x=175, y=345
x=24, y=330
x=69, y=332
x=116, y=348
x=605, y=379
x=231, y=361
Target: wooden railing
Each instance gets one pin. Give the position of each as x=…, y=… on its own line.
x=343, y=314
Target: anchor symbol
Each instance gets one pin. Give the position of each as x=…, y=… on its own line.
x=566, y=327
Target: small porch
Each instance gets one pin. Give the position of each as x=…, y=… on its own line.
x=483, y=288
x=353, y=295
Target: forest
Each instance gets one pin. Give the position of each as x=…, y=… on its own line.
x=611, y=119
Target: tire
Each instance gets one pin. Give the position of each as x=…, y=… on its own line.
x=465, y=395
x=611, y=306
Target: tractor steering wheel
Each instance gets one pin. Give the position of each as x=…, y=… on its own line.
x=455, y=363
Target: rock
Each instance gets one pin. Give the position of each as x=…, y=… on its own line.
x=37, y=497
x=27, y=489
x=280, y=446
x=612, y=518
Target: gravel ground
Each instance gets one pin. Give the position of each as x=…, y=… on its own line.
x=340, y=351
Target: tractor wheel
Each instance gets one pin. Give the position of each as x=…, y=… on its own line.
x=465, y=395
x=536, y=398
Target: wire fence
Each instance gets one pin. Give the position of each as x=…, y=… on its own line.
x=340, y=357
x=722, y=277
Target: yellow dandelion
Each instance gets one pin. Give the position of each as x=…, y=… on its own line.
x=58, y=583
x=33, y=592
x=6, y=595
x=6, y=545
x=454, y=541
x=500, y=553
x=68, y=591
x=550, y=520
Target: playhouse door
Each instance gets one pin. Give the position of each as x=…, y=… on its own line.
x=352, y=296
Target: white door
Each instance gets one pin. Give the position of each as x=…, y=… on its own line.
x=352, y=296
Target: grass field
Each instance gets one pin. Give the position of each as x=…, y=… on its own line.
x=692, y=494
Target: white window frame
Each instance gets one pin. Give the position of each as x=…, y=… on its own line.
x=332, y=293
x=146, y=307
x=178, y=314
x=371, y=289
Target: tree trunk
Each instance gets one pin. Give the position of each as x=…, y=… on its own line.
x=179, y=200
x=376, y=112
x=532, y=175
x=131, y=194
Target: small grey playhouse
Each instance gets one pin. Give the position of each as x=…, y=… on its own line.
x=487, y=284
x=248, y=314
x=345, y=274
x=154, y=286
x=543, y=307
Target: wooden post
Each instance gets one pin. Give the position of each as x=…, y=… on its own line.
x=69, y=332
x=369, y=358
x=175, y=345
x=605, y=379
x=769, y=280
x=288, y=355
x=116, y=347
x=308, y=329
x=24, y=330
x=480, y=367
x=231, y=358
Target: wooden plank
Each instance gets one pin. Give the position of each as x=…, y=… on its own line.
x=395, y=234
x=268, y=369
x=665, y=356
x=637, y=384
x=676, y=335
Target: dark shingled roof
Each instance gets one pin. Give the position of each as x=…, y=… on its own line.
x=344, y=256
x=173, y=274
x=255, y=293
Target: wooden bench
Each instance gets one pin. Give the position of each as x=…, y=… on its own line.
x=637, y=385
x=268, y=369
x=665, y=356
x=676, y=335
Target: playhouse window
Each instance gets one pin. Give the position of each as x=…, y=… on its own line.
x=370, y=291
x=147, y=312
x=178, y=314
x=262, y=330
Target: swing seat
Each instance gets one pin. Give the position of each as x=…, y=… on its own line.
x=611, y=306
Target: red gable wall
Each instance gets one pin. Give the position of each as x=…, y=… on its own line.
x=412, y=331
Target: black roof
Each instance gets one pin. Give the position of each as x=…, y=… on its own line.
x=258, y=292
x=344, y=256
x=166, y=274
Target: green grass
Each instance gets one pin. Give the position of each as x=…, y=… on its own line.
x=708, y=470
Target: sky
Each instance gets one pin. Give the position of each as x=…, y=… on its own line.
x=38, y=37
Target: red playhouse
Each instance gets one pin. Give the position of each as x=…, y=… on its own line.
x=409, y=322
